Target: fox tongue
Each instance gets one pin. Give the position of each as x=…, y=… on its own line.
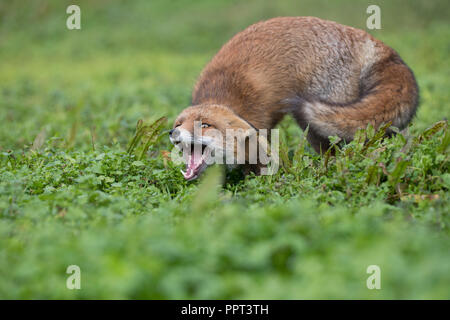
x=194, y=162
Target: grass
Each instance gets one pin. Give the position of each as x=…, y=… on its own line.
x=75, y=188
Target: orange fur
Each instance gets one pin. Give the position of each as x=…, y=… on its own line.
x=330, y=77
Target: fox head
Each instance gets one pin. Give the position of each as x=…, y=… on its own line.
x=210, y=134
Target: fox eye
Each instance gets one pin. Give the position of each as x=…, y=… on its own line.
x=205, y=125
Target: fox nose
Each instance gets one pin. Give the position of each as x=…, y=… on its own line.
x=175, y=135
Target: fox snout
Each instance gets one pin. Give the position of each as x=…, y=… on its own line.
x=179, y=135
x=196, y=151
x=182, y=136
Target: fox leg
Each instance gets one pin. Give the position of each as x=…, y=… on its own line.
x=317, y=141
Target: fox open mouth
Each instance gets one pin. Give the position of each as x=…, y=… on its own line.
x=196, y=161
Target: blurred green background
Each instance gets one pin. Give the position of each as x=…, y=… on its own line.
x=69, y=194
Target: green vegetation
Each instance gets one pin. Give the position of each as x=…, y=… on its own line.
x=71, y=194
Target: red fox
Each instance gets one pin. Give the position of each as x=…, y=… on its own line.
x=331, y=78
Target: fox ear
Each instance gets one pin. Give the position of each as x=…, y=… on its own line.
x=239, y=123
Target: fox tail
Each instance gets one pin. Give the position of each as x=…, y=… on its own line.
x=389, y=93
